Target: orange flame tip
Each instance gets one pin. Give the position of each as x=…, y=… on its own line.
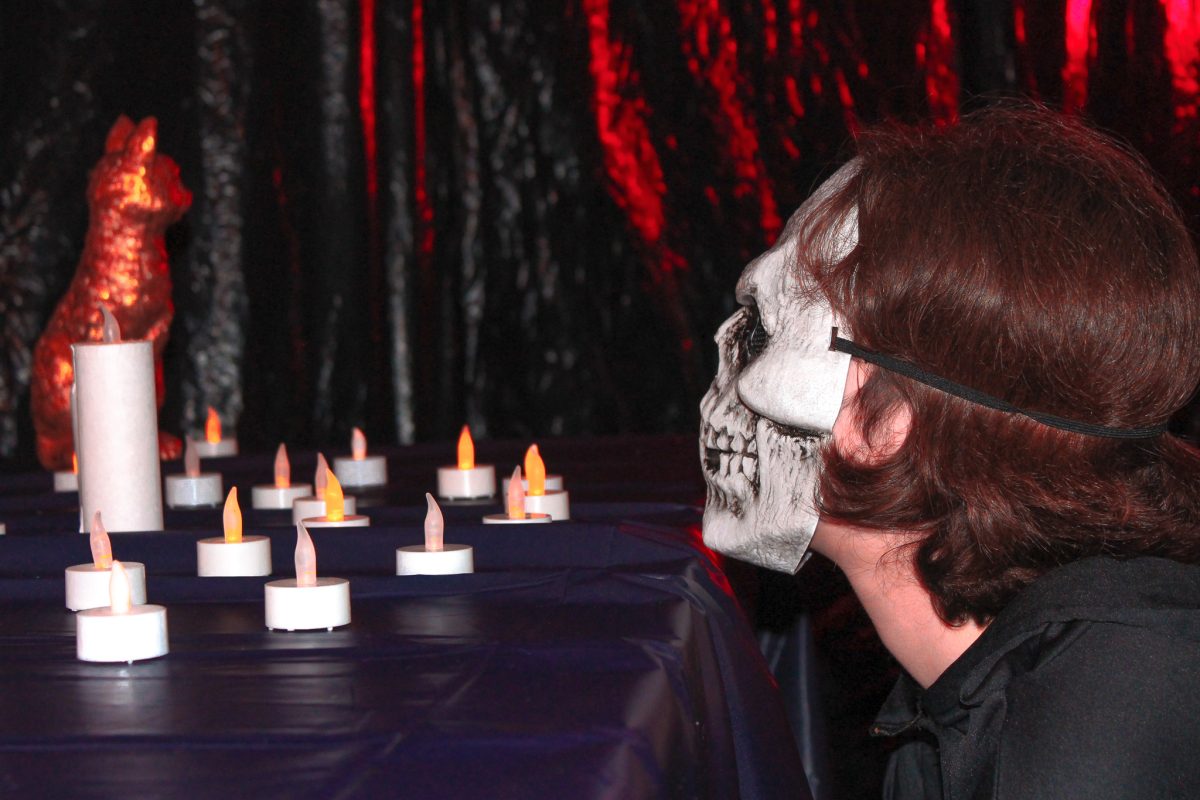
x=232, y=518
x=321, y=478
x=306, y=558
x=283, y=468
x=75, y=463
x=516, y=496
x=191, y=459
x=466, y=449
x=358, y=445
x=435, y=525
x=335, y=500
x=535, y=469
x=119, y=594
x=212, y=427
x=100, y=544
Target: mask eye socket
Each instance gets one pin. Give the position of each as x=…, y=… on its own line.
x=753, y=338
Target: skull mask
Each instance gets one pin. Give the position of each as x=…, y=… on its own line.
x=777, y=393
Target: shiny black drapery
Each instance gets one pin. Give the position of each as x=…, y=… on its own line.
x=527, y=216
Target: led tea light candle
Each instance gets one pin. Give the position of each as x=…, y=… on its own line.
x=121, y=631
x=88, y=584
x=283, y=493
x=193, y=489
x=233, y=554
x=554, y=483
x=434, y=557
x=309, y=507
x=116, y=431
x=360, y=470
x=514, y=506
x=540, y=499
x=307, y=602
x=68, y=480
x=465, y=480
x=214, y=445
x=335, y=515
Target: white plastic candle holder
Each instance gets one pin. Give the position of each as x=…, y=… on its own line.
x=306, y=608
x=308, y=507
x=66, y=481
x=503, y=519
x=466, y=484
x=221, y=449
x=87, y=586
x=556, y=504
x=102, y=634
x=369, y=471
x=453, y=559
x=348, y=521
x=202, y=491
x=271, y=496
x=553, y=483
x=216, y=557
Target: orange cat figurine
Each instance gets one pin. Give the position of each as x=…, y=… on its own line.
x=134, y=194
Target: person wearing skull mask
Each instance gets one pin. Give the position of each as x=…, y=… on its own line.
x=953, y=376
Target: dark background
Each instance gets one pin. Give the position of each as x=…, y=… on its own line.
x=524, y=215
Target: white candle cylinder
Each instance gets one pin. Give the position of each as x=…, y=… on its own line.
x=348, y=521
x=308, y=507
x=104, y=635
x=503, y=519
x=553, y=483
x=271, y=496
x=116, y=437
x=367, y=471
x=217, y=558
x=556, y=504
x=466, y=484
x=304, y=608
x=202, y=491
x=221, y=449
x=66, y=481
x=453, y=559
x=87, y=587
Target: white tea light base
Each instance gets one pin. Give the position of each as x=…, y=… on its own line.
x=87, y=587
x=221, y=449
x=553, y=483
x=454, y=559
x=308, y=507
x=466, y=484
x=556, y=504
x=217, y=558
x=349, y=521
x=369, y=471
x=503, y=519
x=307, y=608
x=271, y=496
x=134, y=635
x=203, y=491
x=66, y=481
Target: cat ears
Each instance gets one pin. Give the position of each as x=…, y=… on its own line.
x=137, y=141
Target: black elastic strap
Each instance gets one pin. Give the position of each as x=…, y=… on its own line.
x=982, y=398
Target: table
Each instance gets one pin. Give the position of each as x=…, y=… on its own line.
x=601, y=657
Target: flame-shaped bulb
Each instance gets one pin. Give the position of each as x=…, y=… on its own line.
x=306, y=558
x=191, y=459
x=358, y=445
x=283, y=468
x=231, y=517
x=535, y=471
x=111, y=330
x=212, y=426
x=119, y=594
x=335, y=500
x=435, y=525
x=100, y=543
x=515, y=505
x=466, y=449
x=75, y=463
x=321, y=478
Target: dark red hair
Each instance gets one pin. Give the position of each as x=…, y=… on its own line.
x=1024, y=255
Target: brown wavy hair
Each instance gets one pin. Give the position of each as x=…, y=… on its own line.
x=1025, y=255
